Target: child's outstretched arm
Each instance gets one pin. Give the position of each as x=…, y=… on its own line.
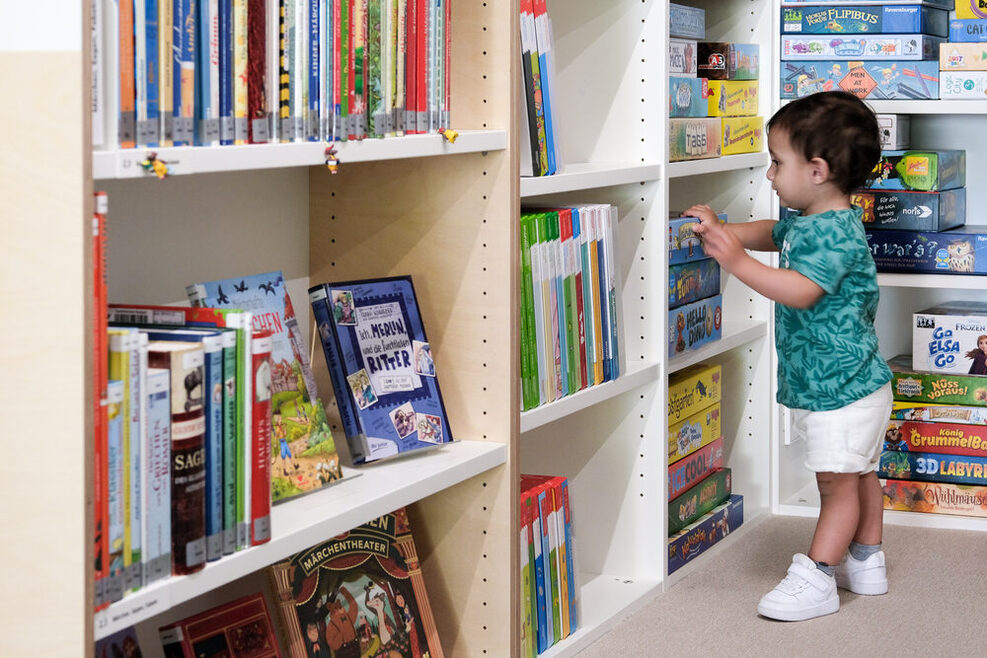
x=753, y=235
x=784, y=286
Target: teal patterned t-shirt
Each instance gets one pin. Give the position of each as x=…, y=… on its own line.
x=827, y=354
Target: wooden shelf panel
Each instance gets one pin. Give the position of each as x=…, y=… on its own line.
x=589, y=175
x=184, y=160
x=718, y=165
x=735, y=334
x=604, y=600
x=366, y=493
x=539, y=416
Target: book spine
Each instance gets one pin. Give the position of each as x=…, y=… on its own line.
x=325, y=74
x=374, y=66
x=594, y=264
x=204, y=131
x=355, y=66
x=240, y=72
x=526, y=627
x=299, y=76
x=411, y=68
x=532, y=89
x=214, y=129
x=554, y=385
x=544, y=44
x=123, y=348
x=569, y=561
x=698, y=500
x=322, y=314
x=421, y=66
x=284, y=74
x=272, y=75
x=150, y=132
x=290, y=69
x=213, y=409
x=612, y=312
x=137, y=410
x=553, y=564
x=579, y=330
x=257, y=119
x=313, y=71
x=540, y=615
x=141, y=63
x=529, y=398
x=229, y=440
x=604, y=294
x=569, y=217
x=97, y=84
x=113, y=585
x=445, y=104
x=166, y=71
x=99, y=381
x=226, y=127
x=563, y=549
x=260, y=508
x=127, y=123
x=338, y=51
x=544, y=521
x=242, y=322
x=110, y=100
x=558, y=302
x=585, y=219
x=183, y=73
x=531, y=595
x=538, y=316
x=157, y=513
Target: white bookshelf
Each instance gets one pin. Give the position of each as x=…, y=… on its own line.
x=935, y=281
x=718, y=165
x=585, y=176
x=930, y=107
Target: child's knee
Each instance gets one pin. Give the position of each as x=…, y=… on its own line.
x=837, y=483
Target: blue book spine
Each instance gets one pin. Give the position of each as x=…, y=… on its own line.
x=544, y=47
x=226, y=71
x=322, y=314
x=183, y=71
x=540, y=589
x=157, y=514
x=546, y=554
x=150, y=132
x=587, y=293
x=114, y=482
x=214, y=448
x=202, y=89
x=134, y=577
x=314, y=70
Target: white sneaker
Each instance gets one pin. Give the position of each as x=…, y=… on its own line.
x=867, y=577
x=806, y=592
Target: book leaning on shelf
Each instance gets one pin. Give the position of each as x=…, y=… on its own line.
x=381, y=367
x=361, y=593
x=239, y=628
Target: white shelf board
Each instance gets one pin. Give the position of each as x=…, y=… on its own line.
x=380, y=488
x=604, y=601
x=938, y=281
x=182, y=160
x=589, y=175
x=587, y=397
x=929, y=107
x=717, y=165
x=735, y=334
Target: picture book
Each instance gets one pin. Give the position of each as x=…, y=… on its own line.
x=381, y=366
x=302, y=444
x=361, y=593
x=239, y=628
x=123, y=644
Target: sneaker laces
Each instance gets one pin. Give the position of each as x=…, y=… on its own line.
x=793, y=584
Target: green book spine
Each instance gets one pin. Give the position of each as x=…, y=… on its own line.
x=529, y=380
x=230, y=343
x=698, y=500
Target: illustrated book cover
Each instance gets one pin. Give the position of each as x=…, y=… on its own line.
x=359, y=594
x=381, y=366
x=240, y=628
x=302, y=445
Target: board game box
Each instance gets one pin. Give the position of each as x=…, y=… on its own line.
x=860, y=46
x=698, y=430
x=701, y=498
x=693, y=139
x=964, y=84
x=968, y=30
x=696, y=538
x=903, y=210
x=971, y=9
x=939, y=413
x=940, y=437
x=922, y=171
x=932, y=467
x=683, y=244
x=682, y=57
x=935, y=497
x=951, y=338
x=686, y=22
x=692, y=281
x=742, y=135
x=959, y=251
x=895, y=131
x=686, y=96
x=963, y=57
x=686, y=472
x=731, y=98
x=692, y=389
x=718, y=60
x=909, y=385
x=695, y=325
x=880, y=80
x=864, y=19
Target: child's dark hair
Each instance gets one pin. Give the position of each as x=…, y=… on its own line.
x=837, y=127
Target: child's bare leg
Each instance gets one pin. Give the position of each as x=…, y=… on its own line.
x=839, y=513
x=870, y=526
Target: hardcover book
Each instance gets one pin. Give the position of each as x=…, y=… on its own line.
x=381, y=366
x=239, y=628
x=359, y=594
x=302, y=444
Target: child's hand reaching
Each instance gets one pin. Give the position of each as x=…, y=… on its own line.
x=719, y=241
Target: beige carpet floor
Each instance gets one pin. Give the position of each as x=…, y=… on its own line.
x=936, y=606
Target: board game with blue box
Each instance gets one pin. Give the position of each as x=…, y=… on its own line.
x=971, y=30
x=687, y=97
x=959, y=251
x=923, y=171
x=692, y=281
x=683, y=244
x=859, y=46
x=698, y=537
x=694, y=325
x=911, y=211
x=865, y=19
x=873, y=80
x=686, y=22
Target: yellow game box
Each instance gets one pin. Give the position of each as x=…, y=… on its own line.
x=693, y=389
x=732, y=98
x=742, y=135
x=691, y=434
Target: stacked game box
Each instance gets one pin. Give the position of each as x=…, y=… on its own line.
x=873, y=51
x=712, y=92
x=935, y=446
x=701, y=507
x=694, y=300
x=963, y=60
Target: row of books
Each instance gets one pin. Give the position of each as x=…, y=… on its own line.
x=218, y=72
x=935, y=447
x=549, y=591
x=569, y=317
x=361, y=593
x=540, y=143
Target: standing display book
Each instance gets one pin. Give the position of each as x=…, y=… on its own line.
x=381, y=366
x=359, y=594
x=302, y=444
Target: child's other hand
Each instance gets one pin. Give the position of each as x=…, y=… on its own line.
x=719, y=242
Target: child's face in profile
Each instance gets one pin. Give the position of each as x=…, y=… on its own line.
x=790, y=173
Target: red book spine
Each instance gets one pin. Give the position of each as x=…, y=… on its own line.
x=421, y=67
x=101, y=512
x=580, y=311
x=446, y=109
x=256, y=71
x=351, y=68
x=410, y=68
x=260, y=501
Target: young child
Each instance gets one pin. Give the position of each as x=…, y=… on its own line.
x=830, y=373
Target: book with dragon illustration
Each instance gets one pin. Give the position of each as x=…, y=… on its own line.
x=302, y=446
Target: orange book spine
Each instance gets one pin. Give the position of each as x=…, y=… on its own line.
x=100, y=373
x=128, y=90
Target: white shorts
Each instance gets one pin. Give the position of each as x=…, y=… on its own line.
x=848, y=439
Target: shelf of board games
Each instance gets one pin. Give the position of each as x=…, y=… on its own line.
x=366, y=492
x=187, y=160
x=718, y=165
x=585, y=176
x=736, y=333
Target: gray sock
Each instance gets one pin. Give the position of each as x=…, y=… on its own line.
x=826, y=569
x=863, y=551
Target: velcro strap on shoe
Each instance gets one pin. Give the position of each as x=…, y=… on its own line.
x=810, y=576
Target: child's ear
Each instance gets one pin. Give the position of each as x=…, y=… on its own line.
x=819, y=170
